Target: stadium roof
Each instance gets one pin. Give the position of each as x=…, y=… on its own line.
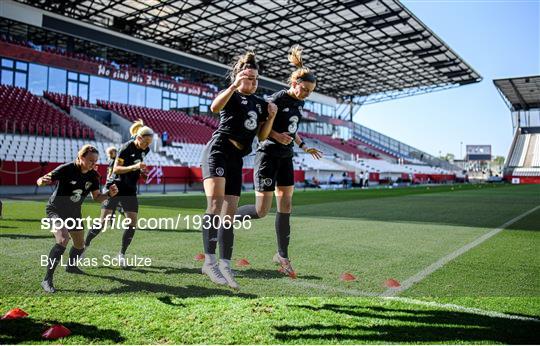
x=521, y=93
x=368, y=48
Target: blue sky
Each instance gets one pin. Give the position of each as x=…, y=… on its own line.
x=498, y=39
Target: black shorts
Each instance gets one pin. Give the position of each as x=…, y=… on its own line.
x=53, y=213
x=129, y=203
x=221, y=158
x=271, y=171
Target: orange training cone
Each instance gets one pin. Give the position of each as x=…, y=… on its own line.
x=56, y=332
x=392, y=283
x=347, y=277
x=199, y=257
x=14, y=314
x=242, y=262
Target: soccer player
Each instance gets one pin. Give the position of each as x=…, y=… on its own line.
x=75, y=181
x=274, y=172
x=127, y=169
x=111, y=156
x=242, y=116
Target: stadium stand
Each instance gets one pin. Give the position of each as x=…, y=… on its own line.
x=66, y=101
x=349, y=146
x=187, y=153
x=24, y=113
x=212, y=122
x=181, y=127
x=15, y=147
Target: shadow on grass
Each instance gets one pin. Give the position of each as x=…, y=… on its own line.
x=36, y=220
x=268, y=274
x=141, y=287
x=389, y=325
x=168, y=300
x=160, y=270
x=28, y=330
x=25, y=236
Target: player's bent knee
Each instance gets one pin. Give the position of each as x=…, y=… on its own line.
x=63, y=241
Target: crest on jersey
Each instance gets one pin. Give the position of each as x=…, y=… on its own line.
x=259, y=109
x=286, y=109
x=220, y=171
x=73, y=182
x=87, y=185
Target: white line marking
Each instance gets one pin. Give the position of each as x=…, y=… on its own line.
x=408, y=283
x=460, y=308
x=447, y=306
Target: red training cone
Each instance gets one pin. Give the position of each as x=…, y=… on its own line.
x=392, y=283
x=199, y=257
x=14, y=314
x=56, y=332
x=242, y=262
x=347, y=277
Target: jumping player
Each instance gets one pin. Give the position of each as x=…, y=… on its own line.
x=242, y=116
x=274, y=172
x=75, y=181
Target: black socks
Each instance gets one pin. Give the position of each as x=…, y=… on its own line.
x=209, y=233
x=55, y=256
x=226, y=241
x=127, y=238
x=247, y=210
x=91, y=235
x=283, y=232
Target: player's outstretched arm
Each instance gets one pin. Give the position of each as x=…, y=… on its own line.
x=44, y=180
x=314, y=152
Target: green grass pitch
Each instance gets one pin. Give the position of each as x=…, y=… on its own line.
x=490, y=294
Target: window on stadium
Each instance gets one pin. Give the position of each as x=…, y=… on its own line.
x=37, y=79
x=78, y=84
x=119, y=91
x=14, y=73
x=137, y=95
x=57, y=80
x=183, y=100
x=153, y=98
x=99, y=89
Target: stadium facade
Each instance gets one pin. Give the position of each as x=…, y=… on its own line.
x=80, y=72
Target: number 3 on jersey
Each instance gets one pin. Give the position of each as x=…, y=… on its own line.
x=251, y=123
x=76, y=195
x=294, y=124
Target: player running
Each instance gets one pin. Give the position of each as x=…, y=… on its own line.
x=127, y=169
x=75, y=181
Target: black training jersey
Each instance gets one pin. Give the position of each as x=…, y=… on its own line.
x=240, y=118
x=287, y=118
x=110, y=168
x=72, y=188
x=128, y=155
